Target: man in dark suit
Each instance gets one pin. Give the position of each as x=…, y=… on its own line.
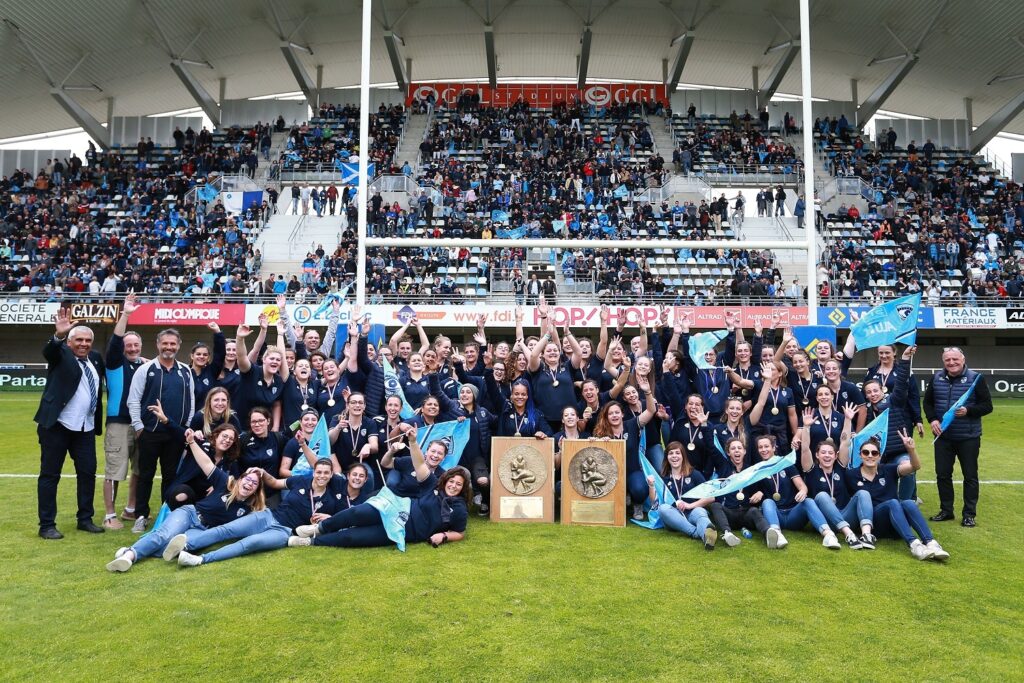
x=69, y=418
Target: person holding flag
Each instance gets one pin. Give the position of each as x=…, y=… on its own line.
x=826, y=485
x=884, y=372
x=734, y=509
x=300, y=446
x=954, y=403
x=689, y=517
x=879, y=402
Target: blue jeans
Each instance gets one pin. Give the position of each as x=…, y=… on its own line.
x=858, y=511
x=356, y=527
x=636, y=485
x=692, y=523
x=897, y=518
x=258, y=532
x=177, y=522
x=794, y=518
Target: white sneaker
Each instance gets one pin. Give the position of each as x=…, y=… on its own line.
x=771, y=537
x=174, y=546
x=139, y=526
x=187, y=559
x=306, y=530
x=831, y=542
x=296, y=541
x=920, y=551
x=782, y=542
x=937, y=552
x=123, y=560
x=731, y=539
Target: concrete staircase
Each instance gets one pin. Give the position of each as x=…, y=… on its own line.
x=409, y=148
x=662, y=137
x=791, y=263
x=287, y=239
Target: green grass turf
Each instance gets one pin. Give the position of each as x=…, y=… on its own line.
x=518, y=602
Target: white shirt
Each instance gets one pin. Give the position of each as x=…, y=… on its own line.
x=78, y=415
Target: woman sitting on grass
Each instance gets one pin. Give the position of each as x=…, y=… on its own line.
x=438, y=515
x=893, y=516
x=229, y=500
x=310, y=498
x=688, y=517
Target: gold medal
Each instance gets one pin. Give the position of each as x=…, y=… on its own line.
x=305, y=406
x=775, y=411
x=745, y=392
x=555, y=383
x=885, y=389
x=740, y=496
x=690, y=446
x=807, y=402
x=776, y=497
x=330, y=403
x=518, y=434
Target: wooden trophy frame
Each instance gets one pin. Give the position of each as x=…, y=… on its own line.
x=522, y=479
x=590, y=495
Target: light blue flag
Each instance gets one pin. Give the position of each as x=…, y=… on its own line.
x=661, y=491
x=392, y=387
x=456, y=432
x=207, y=193
x=160, y=517
x=892, y=322
x=808, y=336
x=319, y=443
x=947, y=417
x=558, y=226
x=701, y=343
x=338, y=296
x=620, y=192
x=499, y=216
x=879, y=427
x=293, y=156
x=512, y=233
x=394, y=513
x=741, y=480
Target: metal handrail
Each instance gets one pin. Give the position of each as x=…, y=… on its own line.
x=293, y=236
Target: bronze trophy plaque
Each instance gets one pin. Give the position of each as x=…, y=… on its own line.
x=522, y=480
x=594, y=482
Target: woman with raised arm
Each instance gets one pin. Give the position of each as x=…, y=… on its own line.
x=414, y=381
x=330, y=400
x=774, y=412
x=885, y=373
x=827, y=486
x=552, y=380
x=711, y=383
x=411, y=477
x=784, y=502
x=308, y=499
x=735, y=425
x=612, y=424
x=207, y=366
x=878, y=401
x=261, y=447
x=892, y=516
x=230, y=498
x=824, y=420
x=355, y=439
x=300, y=393
x=802, y=381
x=844, y=393
x=299, y=446
x=261, y=384
x=689, y=517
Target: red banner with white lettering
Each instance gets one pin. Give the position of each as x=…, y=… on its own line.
x=540, y=94
x=189, y=314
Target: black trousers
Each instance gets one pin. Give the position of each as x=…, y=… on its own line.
x=156, y=447
x=946, y=453
x=55, y=444
x=726, y=519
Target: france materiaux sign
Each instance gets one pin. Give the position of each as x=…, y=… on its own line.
x=970, y=318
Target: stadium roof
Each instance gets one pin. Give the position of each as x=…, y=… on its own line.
x=122, y=51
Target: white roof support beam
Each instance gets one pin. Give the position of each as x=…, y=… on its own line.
x=87, y=121
x=992, y=126
x=290, y=50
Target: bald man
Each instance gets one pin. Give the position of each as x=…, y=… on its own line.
x=69, y=418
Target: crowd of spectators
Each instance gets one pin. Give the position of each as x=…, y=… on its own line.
x=936, y=221
x=737, y=144
x=125, y=220
x=332, y=138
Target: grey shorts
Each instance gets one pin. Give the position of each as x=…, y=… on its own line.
x=120, y=450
